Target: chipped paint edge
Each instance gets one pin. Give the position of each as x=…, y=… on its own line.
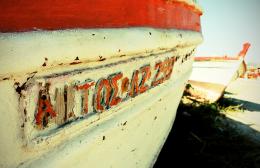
x=25, y=53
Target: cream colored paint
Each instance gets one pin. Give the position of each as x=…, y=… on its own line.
x=135, y=144
x=219, y=72
x=81, y=144
x=127, y=68
x=26, y=52
x=212, y=73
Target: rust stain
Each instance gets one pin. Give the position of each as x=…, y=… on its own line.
x=101, y=58
x=76, y=61
x=19, y=88
x=6, y=78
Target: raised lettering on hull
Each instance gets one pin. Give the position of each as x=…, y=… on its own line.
x=105, y=92
x=52, y=102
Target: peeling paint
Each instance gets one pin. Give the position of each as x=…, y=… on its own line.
x=101, y=58
x=59, y=100
x=19, y=88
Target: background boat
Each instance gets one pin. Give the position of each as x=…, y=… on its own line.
x=92, y=83
x=211, y=75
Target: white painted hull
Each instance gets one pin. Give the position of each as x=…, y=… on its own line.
x=129, y=134
x=131, y=138
x=210, y=78
x=219, y=72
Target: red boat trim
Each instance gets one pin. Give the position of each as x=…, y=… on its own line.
x=19, y=16
x=224, y=58
x=242, y=53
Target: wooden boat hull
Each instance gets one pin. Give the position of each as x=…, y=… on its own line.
x=95, y=95
x=211, y=75
x=119, y=132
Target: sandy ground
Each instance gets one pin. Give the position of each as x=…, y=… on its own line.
x=225, y=134
x=247, y=93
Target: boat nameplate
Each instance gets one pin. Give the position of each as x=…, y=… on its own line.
x=53, y=101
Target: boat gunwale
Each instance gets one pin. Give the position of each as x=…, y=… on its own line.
x=34, y=15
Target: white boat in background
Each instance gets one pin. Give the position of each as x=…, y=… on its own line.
x=211, y=75
x=92, y=83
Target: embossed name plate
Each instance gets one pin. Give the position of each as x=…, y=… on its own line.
x=53, y=101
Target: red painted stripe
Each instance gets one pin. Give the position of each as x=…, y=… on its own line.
x=242, y=53
x=26, y=15
x=224, y=58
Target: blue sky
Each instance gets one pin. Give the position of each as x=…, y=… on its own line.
x=227, y=24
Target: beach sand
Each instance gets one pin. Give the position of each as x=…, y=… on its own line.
x=247, y=93
x=224, y=134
